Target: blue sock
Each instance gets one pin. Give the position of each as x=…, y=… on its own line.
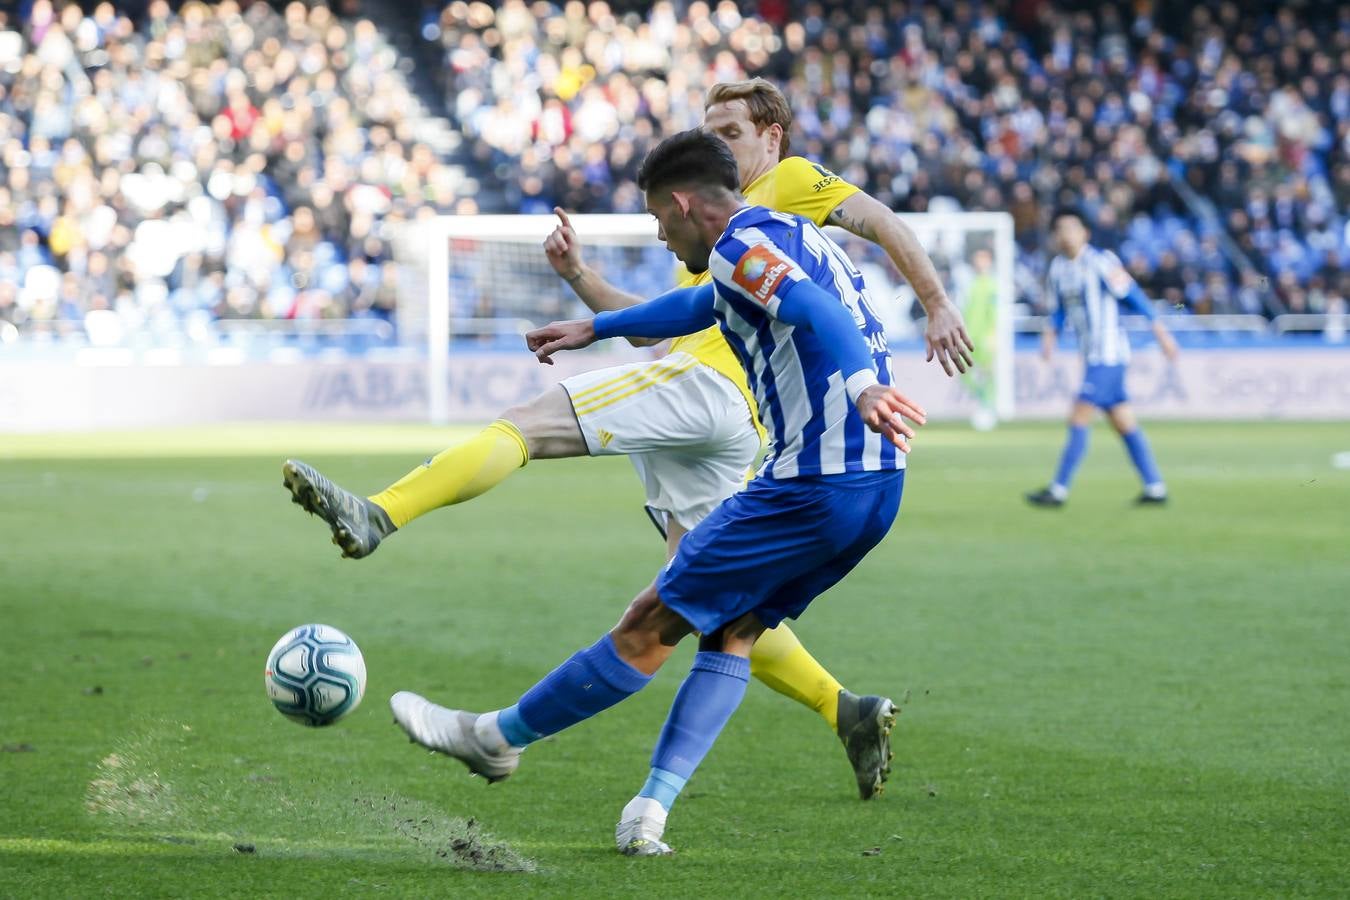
x=591, y=681
x=663, y=787
x=1075, y=448
x=1142, y=457
x=708, y=697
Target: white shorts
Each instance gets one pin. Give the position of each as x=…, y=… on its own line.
x=686, y=427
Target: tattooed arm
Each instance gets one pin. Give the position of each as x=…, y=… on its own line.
x=869, y=218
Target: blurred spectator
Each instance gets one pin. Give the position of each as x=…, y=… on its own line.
x=1123, y=110
x=236, y=160
x=221, y=160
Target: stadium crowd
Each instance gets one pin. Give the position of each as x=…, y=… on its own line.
x=209, y=163
x=232, y=160
x=1126, y=111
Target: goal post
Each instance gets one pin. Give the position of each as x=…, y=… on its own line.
x=499, y=260
x=954, y=242
x=491, y=270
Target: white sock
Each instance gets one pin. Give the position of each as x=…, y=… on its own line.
x=1156, y=489
x=1059, y=491
x=489, y=733
x=644, y=808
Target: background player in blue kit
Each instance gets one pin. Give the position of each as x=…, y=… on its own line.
x=1089, y=287
x=796, y=313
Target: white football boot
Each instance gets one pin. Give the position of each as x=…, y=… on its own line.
x=640, y=827
x=452, y=732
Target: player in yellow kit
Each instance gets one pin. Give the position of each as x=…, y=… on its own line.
x=687, y=420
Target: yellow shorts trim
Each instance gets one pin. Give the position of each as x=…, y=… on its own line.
x=630, y=384
x=585, y=396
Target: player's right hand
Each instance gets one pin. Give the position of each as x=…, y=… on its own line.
x=946, y=339
x=884, y=409
x=556, y=336
x=562, y=247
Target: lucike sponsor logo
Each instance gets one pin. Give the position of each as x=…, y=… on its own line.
x=769, y=280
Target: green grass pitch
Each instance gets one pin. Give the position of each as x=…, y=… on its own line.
x=1097, y=701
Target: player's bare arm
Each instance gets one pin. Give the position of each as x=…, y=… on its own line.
x=563, y=249
x=945, y=336
x=1049, y=339
x=1166, y=342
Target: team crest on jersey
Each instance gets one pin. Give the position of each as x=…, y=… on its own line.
x=760, y=271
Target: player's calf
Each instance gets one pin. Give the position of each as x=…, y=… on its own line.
x=648, y=632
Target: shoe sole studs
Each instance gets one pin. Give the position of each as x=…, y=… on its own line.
x=311, y=501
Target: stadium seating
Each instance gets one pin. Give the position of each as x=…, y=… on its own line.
x=212, y=163
x=1209, y=147
x=200, y=165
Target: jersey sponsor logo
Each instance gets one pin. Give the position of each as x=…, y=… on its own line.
x=760, y=271
x=827, y=178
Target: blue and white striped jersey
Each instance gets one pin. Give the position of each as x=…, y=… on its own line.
x=813, y=427
x=1088, y=292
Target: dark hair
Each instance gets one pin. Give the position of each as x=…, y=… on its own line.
x=690, y=159
x=1069, y=210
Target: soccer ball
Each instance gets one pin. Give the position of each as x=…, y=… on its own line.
x=315, y=675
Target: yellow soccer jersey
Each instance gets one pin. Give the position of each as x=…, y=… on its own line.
x=798, y=186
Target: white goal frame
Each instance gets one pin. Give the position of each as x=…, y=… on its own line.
x=441, y=230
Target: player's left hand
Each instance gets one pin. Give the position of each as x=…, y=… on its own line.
x=885, y=409
x=946, y=338
x=556, y=336
x=563, y=248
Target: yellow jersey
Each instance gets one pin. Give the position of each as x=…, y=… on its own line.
x=798, y=186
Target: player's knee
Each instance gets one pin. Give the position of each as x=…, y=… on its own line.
x=548, y=425
x=526, y=419
x=1122, y=418
x=737, y=638
x=648, y=632
x=711, y=642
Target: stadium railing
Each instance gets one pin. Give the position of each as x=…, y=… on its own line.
x=1332, y=326
x=1223, y=330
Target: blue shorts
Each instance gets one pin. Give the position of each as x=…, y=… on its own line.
x=1104, y=386
x=775, y=546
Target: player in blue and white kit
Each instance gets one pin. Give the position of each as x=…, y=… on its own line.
x=1089, y=287
x=794, y=309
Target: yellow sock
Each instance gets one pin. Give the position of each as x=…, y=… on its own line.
x=779, y=660
x=456, y=474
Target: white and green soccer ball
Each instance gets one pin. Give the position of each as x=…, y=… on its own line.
x=315, y=675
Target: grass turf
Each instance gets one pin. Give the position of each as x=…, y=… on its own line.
x=1097, y=701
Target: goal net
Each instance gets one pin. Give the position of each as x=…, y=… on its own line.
x=482, y=280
